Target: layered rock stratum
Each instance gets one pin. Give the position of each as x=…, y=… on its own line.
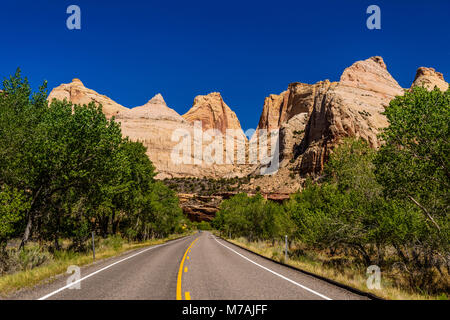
x=429, y=78
x=213, y=113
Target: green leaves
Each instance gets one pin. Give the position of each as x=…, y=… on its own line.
x=13, y=204
x=252, y=217
x=74, y=171
x=414, y=162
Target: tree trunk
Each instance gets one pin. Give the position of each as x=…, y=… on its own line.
x=57, y=247
x=27, y=233
x=427, y=214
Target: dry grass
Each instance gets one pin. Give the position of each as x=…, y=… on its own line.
x=320, y=264
x=10, y=283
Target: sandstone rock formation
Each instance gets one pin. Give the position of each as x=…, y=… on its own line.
x=311, y=118
x=352, y=107
x=429, y=78
x=292, y=133
x=271, y=114
x=156, y=126
x=77, y=93
x=213, y=112
x=330, y=111
x=161, y=129
x=199, y=208
x=155, y=109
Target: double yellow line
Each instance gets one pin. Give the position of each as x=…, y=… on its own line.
x=180, y=274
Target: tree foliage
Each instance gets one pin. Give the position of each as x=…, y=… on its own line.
x=71, y=172
x=414, y=163
x=252, y=217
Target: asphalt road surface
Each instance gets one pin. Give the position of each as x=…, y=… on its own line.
x=197, y=267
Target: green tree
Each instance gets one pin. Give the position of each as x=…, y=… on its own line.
x=413, y=168
x=251, y=217
x=76, y=172
x=414, y=162
x=13, y=204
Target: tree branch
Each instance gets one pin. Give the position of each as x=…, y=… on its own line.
x=425, y=211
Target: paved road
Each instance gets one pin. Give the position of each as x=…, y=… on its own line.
x=195, y=267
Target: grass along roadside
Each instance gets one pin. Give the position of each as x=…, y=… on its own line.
x=47, y=272
x=317, y=264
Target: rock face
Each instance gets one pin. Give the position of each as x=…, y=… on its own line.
x=271, y=114
x=77, y=93
x=161, y=129
x=204, y=208
x=199, y=208
x=153, y=125
x=330, y=111
x=213, y=112
x=352, y=107
x=291, y=133
x=429, y=78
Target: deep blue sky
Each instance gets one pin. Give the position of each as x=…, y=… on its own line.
x=131, y=50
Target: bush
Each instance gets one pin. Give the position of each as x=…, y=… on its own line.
x=204, y=225
x=251, y=217
x=14, y=260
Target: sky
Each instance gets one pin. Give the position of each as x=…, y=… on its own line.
x=131, y=50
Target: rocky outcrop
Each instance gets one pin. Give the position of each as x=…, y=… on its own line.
x=429, y=78
x=313, y=118
x=271, y=114
x=161, y=129
x=204, y=208
x=292, y=133
x=213, y=113
x=77, y=93
x=155, y=109
x=199, y=208
x=353, y=107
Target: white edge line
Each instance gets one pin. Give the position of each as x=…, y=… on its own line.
x=107, y=267
x=275, y=273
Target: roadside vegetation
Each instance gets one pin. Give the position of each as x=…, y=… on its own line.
x=387, y=208
x=66, y=171
x=35, y=264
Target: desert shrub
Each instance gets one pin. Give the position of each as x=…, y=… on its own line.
x=19, y=260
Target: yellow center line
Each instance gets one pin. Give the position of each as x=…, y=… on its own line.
x=187, y=295
x=180, y=274
x=185, y=269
